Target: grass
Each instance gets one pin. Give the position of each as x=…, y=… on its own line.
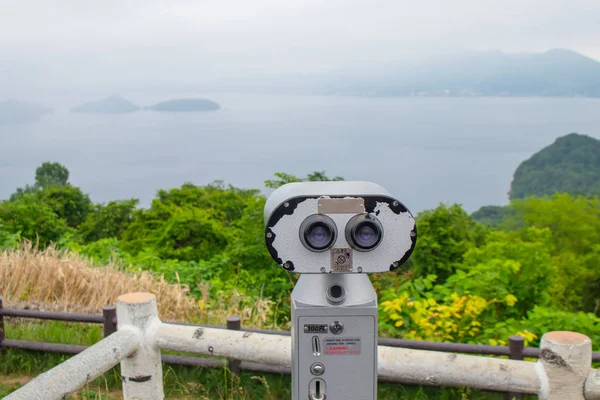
x=61, y=280
x=65, y=281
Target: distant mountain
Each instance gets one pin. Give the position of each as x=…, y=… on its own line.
x=571, y=165
x=110, y=105
x=15, y=112
x=553, y=73
x=185, y=105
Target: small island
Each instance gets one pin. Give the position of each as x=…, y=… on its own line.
x=185, y=105
x=17, y=112
x=110, y=105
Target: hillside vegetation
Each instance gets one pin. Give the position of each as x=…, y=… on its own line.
x=465, y=282
x=65, y=281
x=570, y=165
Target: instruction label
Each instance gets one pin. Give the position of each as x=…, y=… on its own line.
x=341, y=260
x=341, y=346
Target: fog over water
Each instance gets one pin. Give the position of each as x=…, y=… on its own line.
x=424, y=150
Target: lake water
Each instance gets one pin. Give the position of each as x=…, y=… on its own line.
x=423, y=150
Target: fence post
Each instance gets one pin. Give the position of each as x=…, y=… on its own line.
x=142, y=372
x=566, y=359
x=234, y=323
x=516, y=344
x=110, y=314
x=2, y=334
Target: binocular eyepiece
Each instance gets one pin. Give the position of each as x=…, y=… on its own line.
x=350, y=227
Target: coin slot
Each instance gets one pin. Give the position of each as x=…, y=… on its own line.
x=316, y=345
x=317, y=389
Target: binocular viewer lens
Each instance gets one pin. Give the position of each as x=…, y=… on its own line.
x=318, y=232
x=363, y=232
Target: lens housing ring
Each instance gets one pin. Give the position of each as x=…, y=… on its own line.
x=310, y=228
x=364, y=223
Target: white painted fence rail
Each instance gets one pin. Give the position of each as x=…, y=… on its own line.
x=563, y=372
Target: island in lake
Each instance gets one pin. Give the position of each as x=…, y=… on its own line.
x=185, y=105
x=17, y=112
x=110, y=105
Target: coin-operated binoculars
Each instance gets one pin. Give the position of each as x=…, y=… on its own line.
x=334, y=233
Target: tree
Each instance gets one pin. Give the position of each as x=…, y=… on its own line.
x=574, y=222
x=191, y=222
x=51, y=174
x=570, y=165
x=108, y=221
x=47, y=175
x=68, y=202
x=493, y=216
x=34, y=220
x=284, y=178
x=445, y=234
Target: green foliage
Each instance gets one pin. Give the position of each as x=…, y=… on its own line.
x=573, y=220
x=47, y=175
x=8, y=239
x=509, y=282
x=533, y=268
x=516, y=264
x=574, y=223
x=189, y=223
x=32, y=220
x=108, y=221
x=530, y=269
x=493, y=215
x=69, y=203
x=445, y=234
x=570, y=165
x=283, y=178
x=51, y=174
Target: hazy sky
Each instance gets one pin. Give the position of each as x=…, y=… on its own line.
x=212, y=39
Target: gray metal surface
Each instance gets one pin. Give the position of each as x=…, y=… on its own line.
x=349, y=357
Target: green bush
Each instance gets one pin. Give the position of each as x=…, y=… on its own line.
x=32, y=220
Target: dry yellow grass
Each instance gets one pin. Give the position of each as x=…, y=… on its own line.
x=62, y=280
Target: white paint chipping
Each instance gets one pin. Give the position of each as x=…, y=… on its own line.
x=80, y=369
x=396, y=240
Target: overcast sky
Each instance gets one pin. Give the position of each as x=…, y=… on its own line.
x=219, y=38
